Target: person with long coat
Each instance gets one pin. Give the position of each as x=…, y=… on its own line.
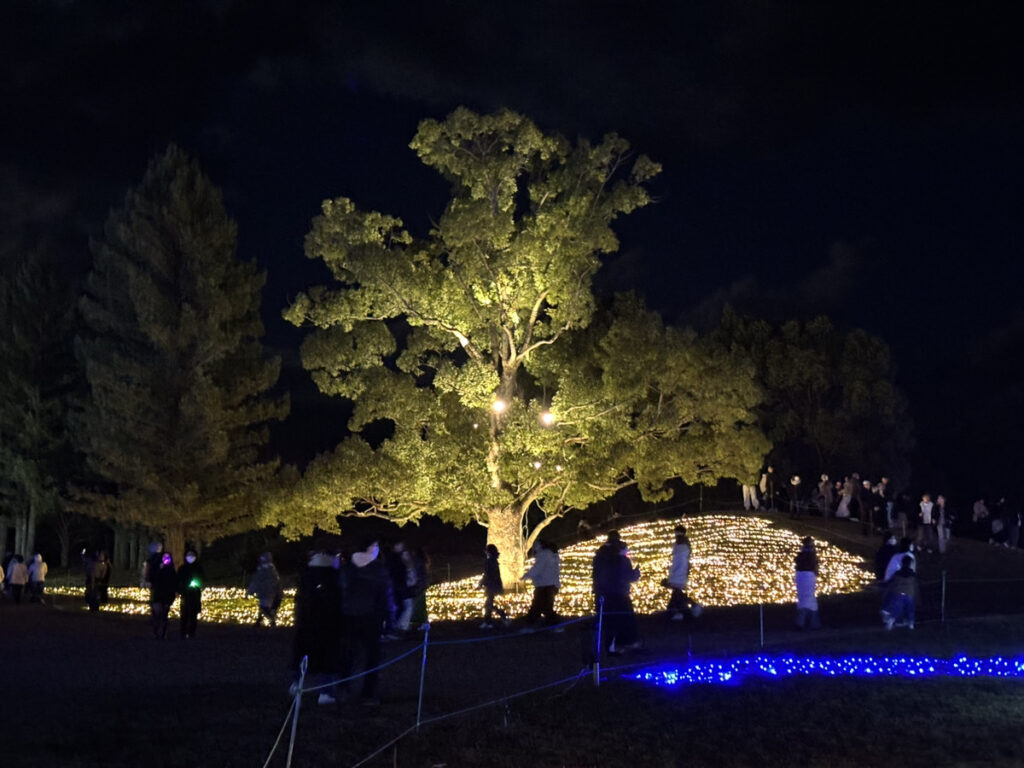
x=318, y=624
x=614, y=574
x=163, y=591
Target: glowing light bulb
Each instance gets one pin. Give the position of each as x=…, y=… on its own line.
x=499, y=406
x=547, y=418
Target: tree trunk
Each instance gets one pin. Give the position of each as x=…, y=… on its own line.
x=505, y=531
x=174, y=542
x=30, y=530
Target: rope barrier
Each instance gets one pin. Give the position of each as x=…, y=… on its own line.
x=277, y=741
x=467, y=710
x=364, y=672
x=507, y=635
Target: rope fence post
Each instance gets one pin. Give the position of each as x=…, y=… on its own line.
x=760, y=610
x=298, y=702
x=423, y=675
x=942, y=604
x=599, y=645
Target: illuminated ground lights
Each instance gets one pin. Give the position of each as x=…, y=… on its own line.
x=735, y=561
x=735, y=671
x=221, y=605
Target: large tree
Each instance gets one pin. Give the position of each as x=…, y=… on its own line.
x=175, y=426
x=482, y=390
x=831, y=403
x=37, y=382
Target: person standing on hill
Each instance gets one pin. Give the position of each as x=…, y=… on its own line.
x=767, y=487
x=191, y=580
x=944, y=518
x=545, y=573
x=163, y=591
x=926, y=537
x=491, y=584
x=614, y=574
x=806, y=586
x=266, y=586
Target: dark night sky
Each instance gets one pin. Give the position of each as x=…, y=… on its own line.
x=856, y=159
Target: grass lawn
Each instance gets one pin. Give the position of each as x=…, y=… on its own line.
x=97, y=690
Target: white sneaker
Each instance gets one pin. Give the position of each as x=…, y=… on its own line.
x=325, y=698
x=678, y=617
x=889, y=621
x=910, y=625
x=696, y=610
x=486, y=625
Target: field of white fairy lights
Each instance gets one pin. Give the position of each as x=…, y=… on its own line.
x=735, y=561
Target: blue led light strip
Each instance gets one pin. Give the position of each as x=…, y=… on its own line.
x=732, y=671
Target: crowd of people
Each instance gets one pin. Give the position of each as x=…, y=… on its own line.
x=348, y=603
x=929, y=518
x=20, y=580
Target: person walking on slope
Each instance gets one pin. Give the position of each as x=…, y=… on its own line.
x=490, y=582
x=902, y=596
x=266, y=586
x=680, y=605
x=806, y=586
x=545, y=573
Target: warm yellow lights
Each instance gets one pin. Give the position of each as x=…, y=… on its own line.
x=547, y=418
x=499, y=406
x=735, y=561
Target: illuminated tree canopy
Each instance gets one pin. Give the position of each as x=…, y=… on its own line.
x=175, y=424
x=485, y=382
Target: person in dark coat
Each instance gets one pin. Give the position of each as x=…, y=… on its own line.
x=492, y=587
x=364, y=583
x=191, y=580
x=613, y=575
x=318, y=623
x=163, y=590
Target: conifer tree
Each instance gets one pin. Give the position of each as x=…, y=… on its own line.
x=37, y=381
x=175, y=425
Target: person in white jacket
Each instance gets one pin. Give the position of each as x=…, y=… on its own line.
x=545, y=573
x=17, y=577
x=37, y=578
x=679, y=604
